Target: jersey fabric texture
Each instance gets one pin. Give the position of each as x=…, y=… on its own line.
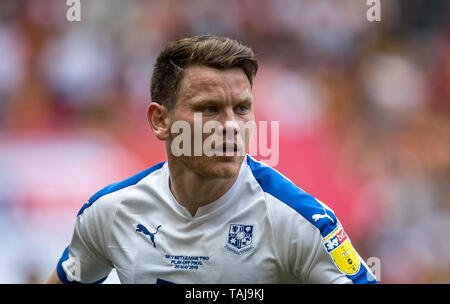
x=264, y=229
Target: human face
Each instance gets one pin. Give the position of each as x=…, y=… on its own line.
x=222, y=96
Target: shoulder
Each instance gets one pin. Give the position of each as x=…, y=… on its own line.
x=311, y=224
x=108, y=197
x=281, y=193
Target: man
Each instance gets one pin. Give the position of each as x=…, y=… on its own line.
x=207, y=218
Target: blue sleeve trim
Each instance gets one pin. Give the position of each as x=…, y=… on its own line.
x=363, y=276
x=120, y=185
x=59, y=270
x=161, y=281
x=62, y=274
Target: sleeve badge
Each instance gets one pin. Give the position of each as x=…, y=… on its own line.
x=341, y=250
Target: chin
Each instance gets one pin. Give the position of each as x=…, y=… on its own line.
x=224, y=170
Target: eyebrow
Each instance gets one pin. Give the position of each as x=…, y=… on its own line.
x=206, y=101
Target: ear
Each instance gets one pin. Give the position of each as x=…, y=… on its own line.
x=158, y=118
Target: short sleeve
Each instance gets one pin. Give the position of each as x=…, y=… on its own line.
x=86, y=258
x=332, y=259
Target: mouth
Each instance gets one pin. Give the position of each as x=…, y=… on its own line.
x=230, y=148
x=227, y=150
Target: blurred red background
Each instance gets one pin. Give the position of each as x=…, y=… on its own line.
x=363, y=109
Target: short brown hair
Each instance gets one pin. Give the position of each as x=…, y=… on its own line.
x=208, y=50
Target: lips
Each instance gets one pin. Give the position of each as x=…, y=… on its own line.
x=228, y=149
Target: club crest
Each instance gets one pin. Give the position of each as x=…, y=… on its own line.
x=240, y=238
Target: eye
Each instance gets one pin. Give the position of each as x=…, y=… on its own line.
x=242, y=108
x=210, y=110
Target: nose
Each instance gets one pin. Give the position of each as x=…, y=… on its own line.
x=230, y=126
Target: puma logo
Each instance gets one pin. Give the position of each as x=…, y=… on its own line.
x=317, y=217
x=141, y=228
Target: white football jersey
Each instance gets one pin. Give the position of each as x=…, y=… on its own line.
x=264, y=229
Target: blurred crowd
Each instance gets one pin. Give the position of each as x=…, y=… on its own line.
x=364, y=111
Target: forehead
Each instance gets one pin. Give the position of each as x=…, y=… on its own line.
x=204, y=81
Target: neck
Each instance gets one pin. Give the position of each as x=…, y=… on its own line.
x=207, y=190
